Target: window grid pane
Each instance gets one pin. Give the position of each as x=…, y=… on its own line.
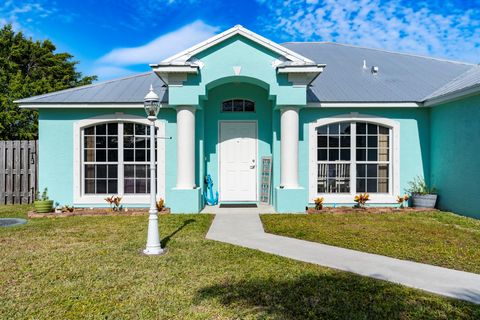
x=100, y=158
x=372, y=158
x=333, y=178
x=333, y=156
x=136, y=156
x=238, y=105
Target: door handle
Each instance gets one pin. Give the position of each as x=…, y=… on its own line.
x=252, y=167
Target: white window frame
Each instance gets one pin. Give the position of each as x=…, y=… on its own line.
x=394, y=168
x=79, y=197
x=243, y=111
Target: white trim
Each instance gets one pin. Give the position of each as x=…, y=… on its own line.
x=394, y=186
x=183, y=56
x=175, y=69
x=78, y=197
x=37, y=105
x=364, y=105
x=243, y=99
x=301, y=69
x=220, y=155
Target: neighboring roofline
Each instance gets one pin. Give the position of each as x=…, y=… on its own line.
x=373, y=104
x=184, y=55
x=87, y=86
x=454, y=95
x=387, y=51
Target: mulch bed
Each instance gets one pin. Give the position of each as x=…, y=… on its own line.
x=343, y=210
x=95, y=212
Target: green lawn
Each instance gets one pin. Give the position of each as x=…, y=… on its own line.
x=91, y=267
x=438, y=238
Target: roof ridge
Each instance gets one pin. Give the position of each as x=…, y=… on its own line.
x=387, y=51
x=435, y=94
x=87, y=86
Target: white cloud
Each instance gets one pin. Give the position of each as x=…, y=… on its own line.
x=161, y=47
x=109, y=72
x=444, y=32
x=21, y=13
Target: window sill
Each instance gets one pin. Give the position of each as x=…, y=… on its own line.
x=100, y=199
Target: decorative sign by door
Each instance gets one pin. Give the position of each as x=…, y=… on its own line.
x=266, y=180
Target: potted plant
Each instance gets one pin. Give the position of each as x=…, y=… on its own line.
x=319, y=203
x=58, y=208
x=161, y=207
x=42, y=203
x=361, y=200
x=318, y=206
x=114, y=202
x=401, y=200
x=423, y=195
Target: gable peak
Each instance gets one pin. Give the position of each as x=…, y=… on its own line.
x=182, y=57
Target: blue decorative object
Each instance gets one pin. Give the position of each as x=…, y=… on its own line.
x=209, y=199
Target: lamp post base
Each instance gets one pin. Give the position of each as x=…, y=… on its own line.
x=153, y=251
x=154, y=246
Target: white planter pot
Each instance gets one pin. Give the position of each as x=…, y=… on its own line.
x=424, y=201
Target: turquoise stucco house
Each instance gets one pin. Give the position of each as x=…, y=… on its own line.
x=336, y=120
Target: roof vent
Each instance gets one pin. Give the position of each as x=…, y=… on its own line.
x=365, y=65
x=374, y=70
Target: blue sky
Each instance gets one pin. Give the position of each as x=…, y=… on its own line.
x=119, y=37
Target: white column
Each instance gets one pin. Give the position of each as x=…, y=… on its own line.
x=185, y=147
x=289, y=148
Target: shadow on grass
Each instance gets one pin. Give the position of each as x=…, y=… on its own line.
x=165, y=240
x=332, y=296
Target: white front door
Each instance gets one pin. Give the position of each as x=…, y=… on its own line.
x=238, y=161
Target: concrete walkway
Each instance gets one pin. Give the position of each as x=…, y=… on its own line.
x=245, y=229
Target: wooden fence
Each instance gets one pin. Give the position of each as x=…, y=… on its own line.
x=18, y=171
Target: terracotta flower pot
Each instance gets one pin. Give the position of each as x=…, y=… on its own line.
x=43, y=206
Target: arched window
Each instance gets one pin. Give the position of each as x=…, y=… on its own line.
x=352, y=156
x=238, y=105
x=339, y=149
x=116, y=158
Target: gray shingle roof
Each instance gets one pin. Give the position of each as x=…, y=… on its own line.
x=401, y=78
x=124, y=90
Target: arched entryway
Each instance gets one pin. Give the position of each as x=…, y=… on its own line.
x=237, y=133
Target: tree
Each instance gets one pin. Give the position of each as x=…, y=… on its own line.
x=29, y=68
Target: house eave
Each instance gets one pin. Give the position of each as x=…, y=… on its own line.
x=166, y=68
x=364, y=105
x=301, y=68
x=456, y=95
x=90, y=105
